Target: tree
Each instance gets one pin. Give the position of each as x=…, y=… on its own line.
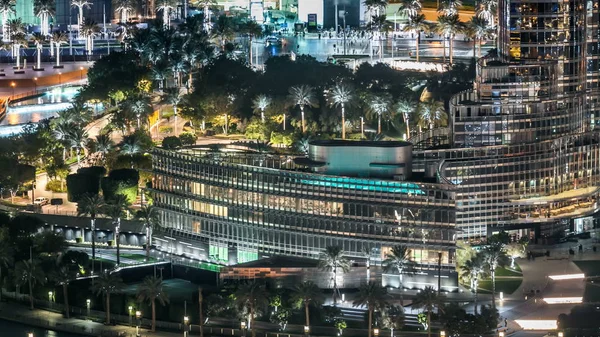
x=91, y=205
x=302, y=95
x=6, y=260
x=428, y=299
x=449, y=7
x=307, y=293
x=406, y=107
x=223, y=30
x=39, y=40
x=374, y=297
x=331, y=260
x=44, y=9
x=123, y=7
x=166, y=6
x=379, y=105
x=410, y=8
x=474, y=268
x=116, y=209
x=398, y=260
x=259, y=104
x=450, y=25
x=150, y=291
x=486, y=9
x=495, y=257
x=29, y=272
x=148, y=214
x=140, y=106
x=341, y=95
x=515, y=250
x=431, y=114
x=80, y=4
x=479, y=29
x=59, y=38
x=63, y=276
x=18, y=40
x=173, y=96
x=77, y=138
x=417, y=24
x=201, y=311
x=89, y=29
x=251, y=296
x=7, y=8
x=104, y=145
x=252, y=30
x=107, y=284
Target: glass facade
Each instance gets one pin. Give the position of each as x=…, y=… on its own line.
x=241, y=207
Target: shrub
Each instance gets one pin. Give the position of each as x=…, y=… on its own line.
x=121, y=181
x=165, y=129
x=56, y=186
x=188, y=138
x=171, y=142
x=78, y=239
x=80, y=184
x=96, y=171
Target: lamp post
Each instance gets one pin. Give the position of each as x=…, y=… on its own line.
x=13, y=85
x=306, y=330
x=561, y=334
x=81, y=73
x=130, y=315
x=138, y=316
x=88, y=304
x=243, y=327
x=376, y=332
x=362, y=126
x=501, y=334
x=30, y=334
x=186, y=321
x=442, y=333
x=35, y=83
x=50, y=295
x=59, y=78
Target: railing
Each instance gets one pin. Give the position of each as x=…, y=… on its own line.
x=39, y=91
x=430, y=138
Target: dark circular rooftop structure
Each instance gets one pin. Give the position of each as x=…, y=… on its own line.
x=362, y=143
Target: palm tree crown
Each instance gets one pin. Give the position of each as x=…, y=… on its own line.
x=374, y=297
x=431, y=114
x=151, y=290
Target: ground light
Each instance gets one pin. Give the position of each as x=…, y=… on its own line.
x=442, y=333
x=537, y=324
x=563, y=300
x=138, y=316
x=30, y=334
x=567, y=277
x=376, y=332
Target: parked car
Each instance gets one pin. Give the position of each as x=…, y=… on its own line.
x=41, y=201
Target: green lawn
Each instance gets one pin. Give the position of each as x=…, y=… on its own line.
x=508, y=285
x=137, y=257
x=589, y=268
x=509, y=272
x=178, y=289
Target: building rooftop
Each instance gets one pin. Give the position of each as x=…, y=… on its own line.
x=362, y=143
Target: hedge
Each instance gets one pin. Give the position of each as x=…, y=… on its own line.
x=121, y=181
x=97, y=171
x=80, y=184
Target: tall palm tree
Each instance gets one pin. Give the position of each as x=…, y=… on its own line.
x=417, y=25
x=206, y=4
x=80, y=4
x=89, y=29
x=494, y=256
x=252, y=30
x=374, y=297
x=62, y=276
x=107, y=284
x=251, y=296
x=116, y=209
x=302, y=95
x=479, y=29
x=59, y=38
x=151, y=219
x=151, y=290
x=398, y=259
x=431, y=114
x=201, y=311
x=474, y=268
x=7, y=8
x=223, y=30
x=173, y=96
x=166, y=6
x=379, y=105
x=406, y=107
x=104, y=145
x=18, y=40
x=123, y=7
x=6, y=260
x=39, y=40
x=410, y=8
x=91, y=205
x=449, y=26
x=332, y=260
x=260, y=103
x=44, y=9
x=140, y=106
x=341, y=95
x=131, y=145
x=428, y=300
x=77, y=139
x=309, y=294
x=29, y=272
x=449, y=7
x=487, y=9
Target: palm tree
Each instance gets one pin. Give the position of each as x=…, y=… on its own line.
x=149, y=215
x=398, y=259
x=374, y=297
x=302, y=95
x=410, y=8
x=140, y=106
x=58, y=38
x=406, y=107
x=308, y=293
x=428, y=299
x=479, y=29
x=450, y=25
x=252, y=30
x=475, y=268
x=251, y=296
x=417, y=24
x=107, y=284
x=63, y=276
x=449, y=7
x=166, y=6
x=77, y=138
x=486, y=9
x=494, y=256
x=378, y=106
x=173, y=96
x=223, y=30
x=91, y=205
x=7, y=8
x=201, y=311
x=29, y=272
x=431, y=114
x=18, y=40
x=123, y=7
x=131, y=145
x=39, y=40
x=205, y=4
x=331, y=260
x=259, y=104
x=80, y=4
x=341, y=95
x=89, y=29
x=116, y=209
x=44, y=9
x=150, y=291
x=104, y=145
x=6, y=259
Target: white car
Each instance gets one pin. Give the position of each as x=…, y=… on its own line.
x=40, y=201
x=273, y=41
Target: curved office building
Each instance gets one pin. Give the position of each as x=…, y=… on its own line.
x=239, y=207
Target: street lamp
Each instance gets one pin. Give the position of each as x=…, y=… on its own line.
x=35, y=83
x=186, y=320
x=243, y=327
x=30, y=334
x=376, y=332
x=306, y=329
x=130, y=315
x=50, y=295
x=442, y=333
x=362, y=126
x=13, y=85
x=59, y=77
x=501, y=334
x=561, y=334
x=138, y=316
x=81, y=73
x=88, y=304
